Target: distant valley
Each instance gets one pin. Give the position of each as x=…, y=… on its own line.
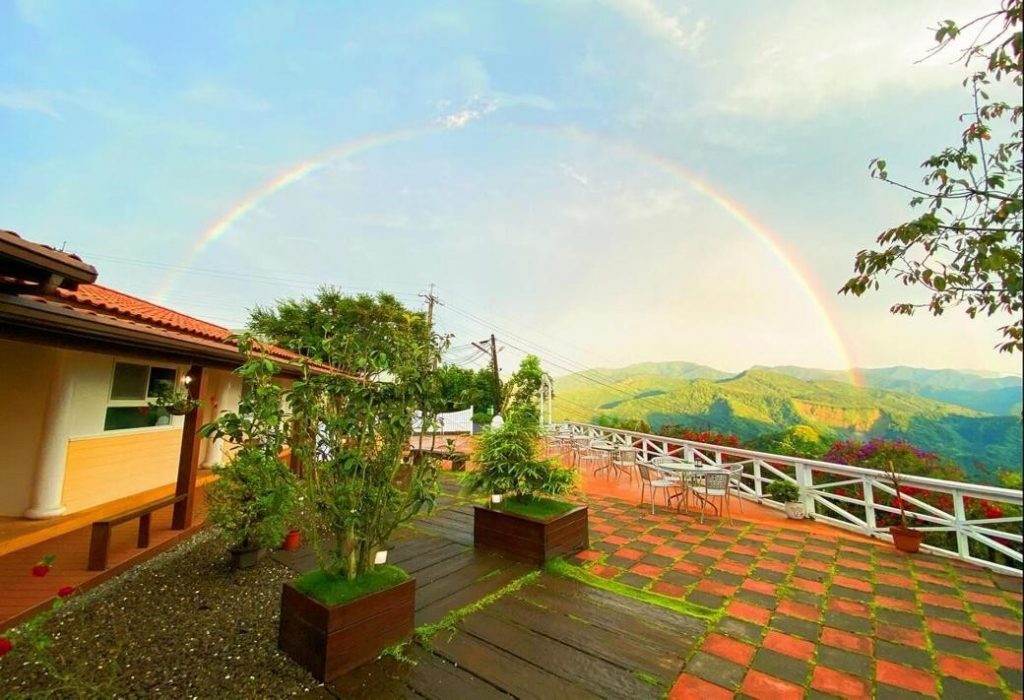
x=972, y=418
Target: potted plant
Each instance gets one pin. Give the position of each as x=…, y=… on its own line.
x=352, y=427
x=254, y=496
x=905, y=538
x=788, y=494
x=176, y=402
x=523, y=520
x=455, y=458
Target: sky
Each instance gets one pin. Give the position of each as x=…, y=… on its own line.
x=598, y=182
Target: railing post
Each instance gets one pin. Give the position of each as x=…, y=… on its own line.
x=963, y=544
x=758, y=486
x=868, y=486
x=688, y=454
x=805, y=480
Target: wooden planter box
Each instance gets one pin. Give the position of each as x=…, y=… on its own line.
x=329, y=641
x=528, y=540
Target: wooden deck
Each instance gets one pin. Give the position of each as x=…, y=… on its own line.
x=551, y=638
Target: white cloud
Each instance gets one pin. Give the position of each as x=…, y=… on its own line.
x=814, y=54
x=29, y=101
x=575, y=175
x=662, y=23
x=472, y=110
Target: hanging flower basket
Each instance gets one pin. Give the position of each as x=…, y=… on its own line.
x=176, y=403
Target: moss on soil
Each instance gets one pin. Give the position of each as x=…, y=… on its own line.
x=331, y=589
x=539, y=508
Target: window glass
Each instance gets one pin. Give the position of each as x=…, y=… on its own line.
x=123, y=417
x=130, y=382
x=160, y=378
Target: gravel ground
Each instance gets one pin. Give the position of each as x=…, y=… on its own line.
x=182, y=625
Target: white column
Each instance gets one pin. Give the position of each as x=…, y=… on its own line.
x=48, y=489
x=215, y=448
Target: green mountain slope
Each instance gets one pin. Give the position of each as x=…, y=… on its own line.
x=759, y=401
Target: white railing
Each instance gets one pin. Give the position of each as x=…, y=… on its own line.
x=848, y=497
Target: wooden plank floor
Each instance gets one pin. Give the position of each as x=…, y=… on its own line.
x=553, y=638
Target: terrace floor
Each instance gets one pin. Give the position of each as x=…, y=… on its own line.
x=791, y=612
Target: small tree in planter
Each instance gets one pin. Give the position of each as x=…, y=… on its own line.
x=788, y=494
x=253, y=499
x=352, y=425
x=904, y=537
x=523, y=520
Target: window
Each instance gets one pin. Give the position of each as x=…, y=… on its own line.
x=132, y=388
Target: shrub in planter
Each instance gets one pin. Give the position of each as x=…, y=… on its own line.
x=253, y=499
x=788, y=494
x=905, y=538
x=352, y=426
x=527, y=523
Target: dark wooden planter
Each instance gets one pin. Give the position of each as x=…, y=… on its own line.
x=527, y=539
x=329, y=641
x=246, y=557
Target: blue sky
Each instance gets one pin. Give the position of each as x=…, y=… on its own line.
x=534, y=192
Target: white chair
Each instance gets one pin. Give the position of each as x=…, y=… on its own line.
x=651, y=478
x=716, y=485
x=736, y=479
x=597, y=452
x=624, y=462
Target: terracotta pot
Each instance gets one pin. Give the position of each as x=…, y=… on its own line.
x=906, y=539
x=329, y=640
x=292, y=541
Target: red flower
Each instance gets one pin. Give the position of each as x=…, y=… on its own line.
x=40, y=570
x=5, y=645
x=66, y=591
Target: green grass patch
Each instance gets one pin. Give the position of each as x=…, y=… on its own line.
x=331, y=589
x=647, y=678
x=559, y=567
x=535, y=507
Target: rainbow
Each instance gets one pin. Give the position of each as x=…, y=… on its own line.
x=298, y=172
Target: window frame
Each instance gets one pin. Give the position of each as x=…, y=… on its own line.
x=136, y=403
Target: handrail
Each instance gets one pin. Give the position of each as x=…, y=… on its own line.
x=828, y=501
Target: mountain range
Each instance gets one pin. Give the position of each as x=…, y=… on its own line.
x=970, y=417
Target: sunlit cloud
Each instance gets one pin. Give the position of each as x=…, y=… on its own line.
x=475, y=109
x=659, y=22
x=575, y=175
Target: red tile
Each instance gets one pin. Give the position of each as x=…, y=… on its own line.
x=967, y=669
x=748, y=612
x=1001, y=624
x=985, y=599
x=752, y=584
x=688, y=568
x=816, y=565
x=744, y=549
x=789, y=645
x=925, y=564
x=627, y=553
x=850, y=607
x=669, y=589
x=689, y=687
x=670, y=552
x=953, y=629
x=616, y=539
x=689, y=539
x=895, y=603
x=905, y=677
x=605, y=571
x=708, y=552
x=930, y=578
x=726, y=648
x=857, y=564
x=761, y=686
x=901, y=635
x=1007, y=658
x=894, y=580
x=733, y=567
x=804, y=612
x=942, y=601
x=773, y=565
x=589, y=555
x=647, y=570
x=783, y=550
x=842, y=684
x=652, y=539
x=847, y=640
x=603, y=528
x=715, y=588
x=854, y=583
x=803, y=584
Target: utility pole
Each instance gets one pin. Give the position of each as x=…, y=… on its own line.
x=431, y=299
x=482, y=347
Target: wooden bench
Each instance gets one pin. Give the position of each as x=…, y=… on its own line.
x=99, y=542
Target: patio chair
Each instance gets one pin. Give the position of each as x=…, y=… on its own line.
x=651, y=478
x=624, y=462
x=597, y=452
x=716, y=485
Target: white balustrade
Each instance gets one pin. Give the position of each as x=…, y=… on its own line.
x=829, y=492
